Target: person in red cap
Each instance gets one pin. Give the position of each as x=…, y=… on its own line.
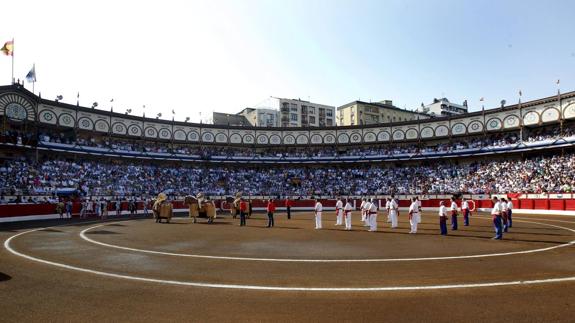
x=271, y=208
x=243, y=212
x=288, y=205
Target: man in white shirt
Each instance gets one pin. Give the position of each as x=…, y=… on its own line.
x=442, y=218
x=414, y=215
x=496, y=213
x=366, y=208
x=453, y=214
x=509, y=212
x=318, y=209
x=372, y=215
x=393, y=208
x=465, y=210
x=347, y=213
x=362, y=208
x=503, y=203
x=387, y=208
x=339, y=212
x=89, y=207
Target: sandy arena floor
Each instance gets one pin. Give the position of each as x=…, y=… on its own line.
x=137, y=270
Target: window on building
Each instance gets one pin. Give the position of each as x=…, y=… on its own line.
x=312, y=119
x=294, y=107
x=293, y=117
x=329, y=122
x=311, y=110
x=329, y=113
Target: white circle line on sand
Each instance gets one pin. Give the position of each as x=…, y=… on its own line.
x=84, y=237
x=279, y=288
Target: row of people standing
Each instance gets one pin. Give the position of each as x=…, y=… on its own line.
x=502, y=212
x=100, y=207
x=244, y=210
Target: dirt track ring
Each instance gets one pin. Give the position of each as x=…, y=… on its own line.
x=7, y=245
x=84, y=237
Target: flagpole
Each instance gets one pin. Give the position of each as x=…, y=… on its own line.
x=521, y=125
x=560, y=107
x=13, y=60
x=34, y=83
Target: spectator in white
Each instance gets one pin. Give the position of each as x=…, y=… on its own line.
x=453, y=214
x=362, y=209
x=393, y=212
x=318, y=210
x=367, y=207
x=414, y=215
x=503, y=203
x=387, y=203
x=496, y=213
x=442, y=218
x=83, y=209
x=339, y=211
x=347, y=211
x=373, y=215
x=465, y=210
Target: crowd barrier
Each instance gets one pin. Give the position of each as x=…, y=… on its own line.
x=563, y=204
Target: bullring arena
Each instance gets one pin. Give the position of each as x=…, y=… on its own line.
x=124, y=266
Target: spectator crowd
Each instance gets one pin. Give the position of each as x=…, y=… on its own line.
x=208, y=151
x=554, y=174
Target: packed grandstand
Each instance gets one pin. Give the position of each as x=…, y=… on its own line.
x=44, y=155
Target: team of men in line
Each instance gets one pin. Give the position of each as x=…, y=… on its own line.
x=100, y=208
x=502, y=211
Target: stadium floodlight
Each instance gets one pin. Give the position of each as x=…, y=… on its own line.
x=503, y=102
x=59, y=97
x=128, y=111
x=187, y=119
x=94, y=105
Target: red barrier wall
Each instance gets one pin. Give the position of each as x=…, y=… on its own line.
x=541, y=204
x=526, y=204
x=557, y=204
x=11, y=210
x=569, y=205
x=484, y=204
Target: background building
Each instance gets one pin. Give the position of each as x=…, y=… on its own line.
x=279, y=112
x=443, y=108
x=365, y=113
x=300, y=113
x=261, y=117
x=226, y=119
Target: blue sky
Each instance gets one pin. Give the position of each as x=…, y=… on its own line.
x=202, y=56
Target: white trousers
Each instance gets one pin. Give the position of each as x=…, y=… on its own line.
x=348, y=221
x=362, y=216
x=388, y=215
x=318, y=220
x=373, y=222
x=415, y=219
x=339, y=220
x=393, y=216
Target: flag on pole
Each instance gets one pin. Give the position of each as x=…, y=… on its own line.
x=173, y=112
x=558, y=81
x=8, y=48
x=520, y=93
x=31, y=76
x=482, y=99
